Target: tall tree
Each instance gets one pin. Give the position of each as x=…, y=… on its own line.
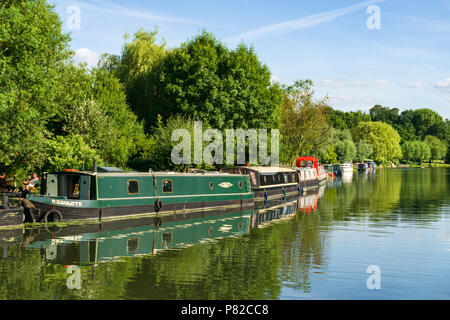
x=207, y=81
x=33, y=51
x=134, y=67
x=437, y=147
x=304, y=123
x=384, y=139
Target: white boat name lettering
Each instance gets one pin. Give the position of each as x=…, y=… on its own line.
x=67, y=203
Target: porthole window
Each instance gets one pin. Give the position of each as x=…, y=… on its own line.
x=211, y=185
x=240, y=184
x=133, y=186
x=167, y=186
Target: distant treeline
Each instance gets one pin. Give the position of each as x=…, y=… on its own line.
x=56, y=114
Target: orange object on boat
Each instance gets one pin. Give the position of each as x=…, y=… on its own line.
x=71, y=170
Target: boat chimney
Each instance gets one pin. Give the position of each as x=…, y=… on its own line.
x=94, y=167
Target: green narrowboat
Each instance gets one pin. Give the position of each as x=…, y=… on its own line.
x=110, y=193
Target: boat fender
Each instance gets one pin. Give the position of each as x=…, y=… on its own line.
x=284, y=194
x=299, y=191
x=266, y=197
x=57, y=216
x=158, y=205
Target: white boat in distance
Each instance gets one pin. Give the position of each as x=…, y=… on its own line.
x=347, y=167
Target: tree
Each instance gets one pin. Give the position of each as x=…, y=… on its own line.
x=134, y=68
x=33, y=50
x=346, y=150
x=94, y=107
x=205, y=80
x=384, y=139
x=304, y=123
x=69, y=152
x=425, y=122
x=417, y=151
x=437, y=147
x=363, y=150
x=384, y=114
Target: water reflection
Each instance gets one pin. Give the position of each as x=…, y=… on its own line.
x=317, y=246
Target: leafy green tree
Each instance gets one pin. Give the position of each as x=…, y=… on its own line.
x=134, y=67
x=437, y=147
x=94, y=107
x=363, y=150
x=304, y=123
x=384, y=139
x=68, y=152
x=205, y=80
x=329, y=156
x=417, y=151
x=33, y=51
x=425, y=122
x=346, y=150
x=384, y=114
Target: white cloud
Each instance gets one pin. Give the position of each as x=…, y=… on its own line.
x=416, y=84
x=304, y=22
x=334, y=83
x=275, y=78
x=381, y=82
x=87, y=56
x=342, y=83
x=443, y=85
x=357, y=83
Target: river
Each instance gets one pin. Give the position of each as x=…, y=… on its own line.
x=365, y=236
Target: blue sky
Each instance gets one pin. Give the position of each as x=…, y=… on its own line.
x=404, y=64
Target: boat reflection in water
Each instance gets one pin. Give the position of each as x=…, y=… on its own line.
x=90, y=244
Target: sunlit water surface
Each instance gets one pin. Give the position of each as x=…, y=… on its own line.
x=325, y=246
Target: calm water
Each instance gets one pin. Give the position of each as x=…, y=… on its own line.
x=319, y=247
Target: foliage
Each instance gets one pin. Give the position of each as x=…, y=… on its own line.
x=384, y=139
x=68, y=152
x=304, y=124
x=156, y=151
x=226, y=88
x=344, y=145
x=95, y=108
x=33, y=50
x=329, y=156
x=417, y=151
x=363, y=150
x=134, y=68
x=437, y=147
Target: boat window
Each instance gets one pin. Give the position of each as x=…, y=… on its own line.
x=133, y=186
x=167, y=186
x=132, y=245
x=73, y=186
x=211, y=185
x=240, y=184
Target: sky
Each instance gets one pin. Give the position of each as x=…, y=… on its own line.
x=358, y=53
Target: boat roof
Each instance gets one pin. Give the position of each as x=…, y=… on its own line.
x=262, y=169
x=146, y=174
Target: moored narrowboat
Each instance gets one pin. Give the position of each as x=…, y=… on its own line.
x=110, y=193
x=270, y=183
